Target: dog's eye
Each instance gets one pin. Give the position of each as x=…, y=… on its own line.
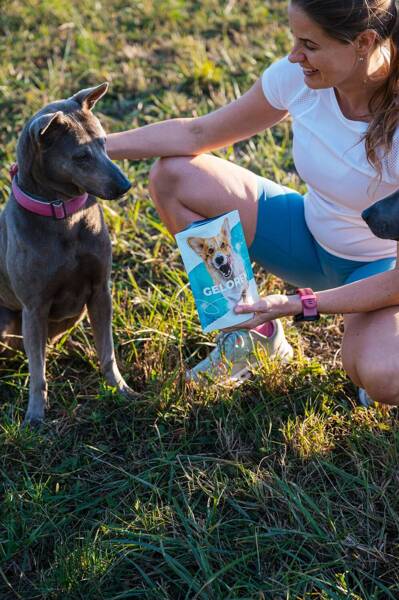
x=211, y=251
x=82, y=156
x=223, y=245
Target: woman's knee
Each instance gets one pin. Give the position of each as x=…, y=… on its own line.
x=370, y=353
x=381, y=381
x=168, y=190
x=165, y=175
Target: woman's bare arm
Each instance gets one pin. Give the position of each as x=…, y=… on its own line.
x=236, y=121
x=366, y=295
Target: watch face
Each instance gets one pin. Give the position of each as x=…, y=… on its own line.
x=309, y=303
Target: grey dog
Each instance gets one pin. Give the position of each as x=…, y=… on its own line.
x=51, y=269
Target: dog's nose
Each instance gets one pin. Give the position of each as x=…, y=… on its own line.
x=119, y=188
x=378, y=224
x=366, y=214
x=128, y=185
x=219, y=260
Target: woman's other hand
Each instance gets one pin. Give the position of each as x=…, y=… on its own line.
x=269, y=308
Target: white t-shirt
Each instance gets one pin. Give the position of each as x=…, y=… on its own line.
x=331, y=158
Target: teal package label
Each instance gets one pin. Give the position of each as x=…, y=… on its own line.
x=216, y=259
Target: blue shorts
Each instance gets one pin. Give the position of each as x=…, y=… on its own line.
x=284, y=246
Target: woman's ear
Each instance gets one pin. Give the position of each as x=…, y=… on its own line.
x=365, y=42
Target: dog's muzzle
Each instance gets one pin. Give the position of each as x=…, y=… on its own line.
x=223, y=264
x=226, y=270
x=383, y=217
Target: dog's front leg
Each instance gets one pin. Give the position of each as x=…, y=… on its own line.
x=34, y=331
x=100, y=315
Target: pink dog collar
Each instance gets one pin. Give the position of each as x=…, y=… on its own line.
x=56, y=209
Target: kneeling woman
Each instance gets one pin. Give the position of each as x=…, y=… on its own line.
x=340, y=86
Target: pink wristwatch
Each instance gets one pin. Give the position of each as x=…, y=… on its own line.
x=309, y=306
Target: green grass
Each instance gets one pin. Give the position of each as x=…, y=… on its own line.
x=280, y=490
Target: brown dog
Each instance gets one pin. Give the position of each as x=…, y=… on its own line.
x=53, y=267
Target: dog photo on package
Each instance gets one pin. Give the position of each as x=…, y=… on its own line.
x=216, y=259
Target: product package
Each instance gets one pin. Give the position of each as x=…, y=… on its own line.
x=216, y=259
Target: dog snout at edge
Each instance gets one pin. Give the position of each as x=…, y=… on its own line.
x=382, y=217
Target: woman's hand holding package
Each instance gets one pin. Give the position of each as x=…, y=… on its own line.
x=269, y=308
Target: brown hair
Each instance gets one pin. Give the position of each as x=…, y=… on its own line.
x=344, y=20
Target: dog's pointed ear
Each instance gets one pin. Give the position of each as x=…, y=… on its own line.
x=87, y=98
x=226, y=228
x=197, y=244
x=43, y=123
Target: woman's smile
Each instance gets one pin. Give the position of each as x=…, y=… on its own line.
x=308, y=72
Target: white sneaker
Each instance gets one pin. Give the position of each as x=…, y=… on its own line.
x=235, y=352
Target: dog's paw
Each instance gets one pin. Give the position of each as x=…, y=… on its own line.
x=33, y=421
x=127, y=392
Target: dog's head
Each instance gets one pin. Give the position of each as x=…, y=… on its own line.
x=63, y=147
x=383, y=217
x=216, y=252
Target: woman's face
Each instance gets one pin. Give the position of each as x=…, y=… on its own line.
x=326, y=62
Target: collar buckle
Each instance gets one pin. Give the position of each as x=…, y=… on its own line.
x=58, y=209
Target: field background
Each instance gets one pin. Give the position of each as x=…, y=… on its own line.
x=283, y=489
